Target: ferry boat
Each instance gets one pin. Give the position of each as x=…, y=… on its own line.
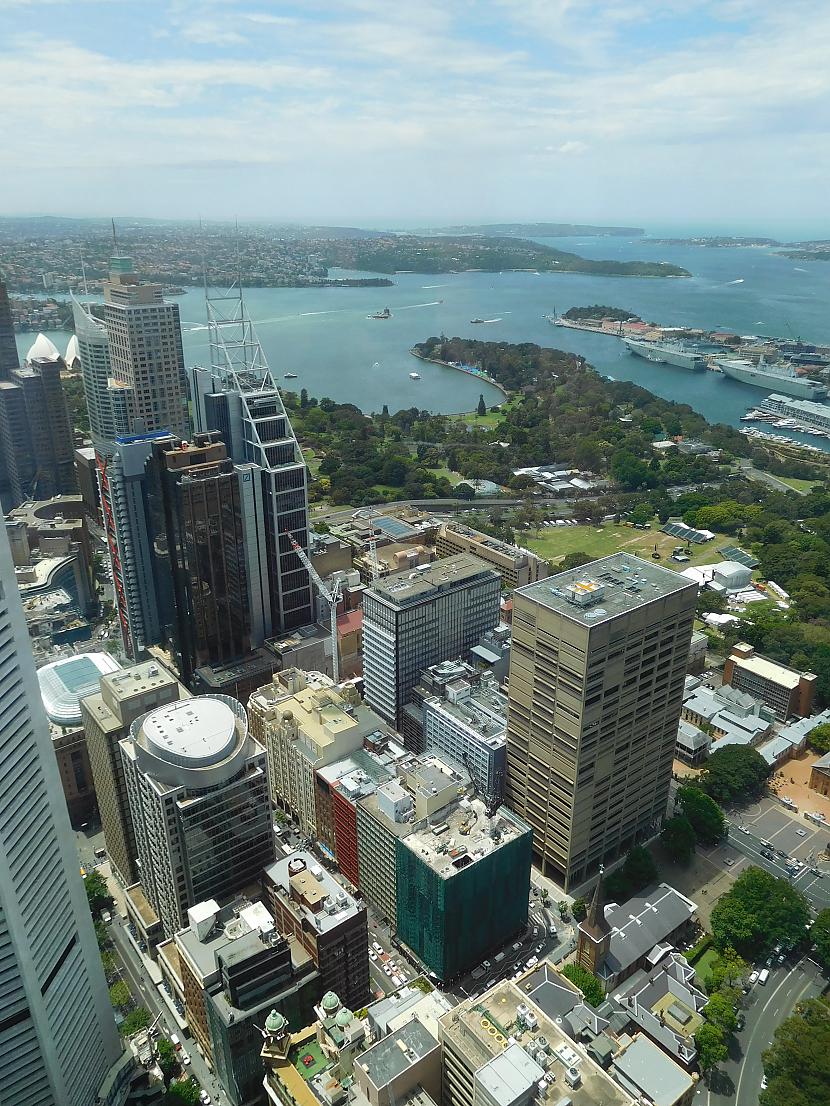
x=667, y=352
x=385, y=314
x=775, y=377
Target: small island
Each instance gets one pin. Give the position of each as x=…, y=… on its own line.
x=600, y=311
x=440, y=254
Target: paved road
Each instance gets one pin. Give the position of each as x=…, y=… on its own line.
x=738, y=1081
x=145, y=992
x=751, y=473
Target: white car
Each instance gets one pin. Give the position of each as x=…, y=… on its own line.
x=204, y=1098
x=373, y=956
x=753, y=978
x=185, y=1058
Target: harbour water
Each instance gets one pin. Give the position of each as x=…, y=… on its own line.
x=324, y=336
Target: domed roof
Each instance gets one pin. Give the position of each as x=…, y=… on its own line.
x=71, y=354
x=42, y=349
x=344, y=1018
x=330, y=1002
x=275, y=1022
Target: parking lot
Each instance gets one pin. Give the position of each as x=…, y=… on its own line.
x=767, y=835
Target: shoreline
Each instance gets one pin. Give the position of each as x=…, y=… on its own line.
x=477, y=374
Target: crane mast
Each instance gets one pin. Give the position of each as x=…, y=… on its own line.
x=330, y=594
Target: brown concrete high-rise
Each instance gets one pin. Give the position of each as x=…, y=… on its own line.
x=594, y=695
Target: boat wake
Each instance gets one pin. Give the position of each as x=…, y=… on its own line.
x=797, y=270
x=740, y=280
x=412, y=306
x=435, y=286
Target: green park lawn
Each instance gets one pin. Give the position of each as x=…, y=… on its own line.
x=798, y=484
x=491, y=420
x=704, y=965
x=555, y=542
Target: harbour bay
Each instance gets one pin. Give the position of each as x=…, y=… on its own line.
x=325, y=336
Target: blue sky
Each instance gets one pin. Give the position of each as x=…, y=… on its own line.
x=707, y=112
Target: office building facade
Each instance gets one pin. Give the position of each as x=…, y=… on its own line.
x=310, y=906
x=238, y=397
x=145, y=352
x=9, y=360
x=106, y=717
x=198, y=793
x=35, y=431
x=187, y=548
x=595, y=691
x=785, y=691
x=57, y=1032
x=414, y=620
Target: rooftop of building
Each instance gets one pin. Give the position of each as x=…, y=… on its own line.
x=769, y=670
x=665, y=1001
x=479, y=705
x=462, y=834
x=63, y=683
x=193, y=733
x=606, y=588
x=359, y=774
x=397, y=1052
x=239, y=930
x=644, y=1069
x=311, y=892
x=504, y=1018
x=514, y=553
x=641, y=924
x=425, y=582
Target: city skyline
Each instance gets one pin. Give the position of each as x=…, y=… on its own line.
x=600, y=110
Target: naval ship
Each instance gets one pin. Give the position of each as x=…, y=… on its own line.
x=774, y=376
x=668, y=352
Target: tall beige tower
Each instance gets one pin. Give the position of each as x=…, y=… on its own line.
x=145, y=351
x=594, y=694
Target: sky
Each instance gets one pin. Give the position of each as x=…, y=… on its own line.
x=705, y=113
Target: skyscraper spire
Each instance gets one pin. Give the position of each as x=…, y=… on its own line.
x=595, y=912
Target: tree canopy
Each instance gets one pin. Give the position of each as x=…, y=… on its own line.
x=183, y=1093
x=759, y=911
x=679, y=838
x=637, y=871
x=819, y=739
x=588, y=984
x=820, y=934
x=797, y=1063
x=97, y=894
x=704, y=814
x=735, y=772
x=711, y=1046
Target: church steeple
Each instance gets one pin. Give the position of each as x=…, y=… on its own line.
x=594, y=939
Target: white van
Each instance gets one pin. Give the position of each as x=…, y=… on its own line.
x=763, y=976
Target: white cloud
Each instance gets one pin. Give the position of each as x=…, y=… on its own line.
x=372, y=101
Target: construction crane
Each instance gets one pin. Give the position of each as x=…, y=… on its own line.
x=373, y=547
x=330, y=594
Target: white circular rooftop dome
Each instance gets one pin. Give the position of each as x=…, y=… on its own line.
x=192, y=733
x=43, y=349
x=65, y=682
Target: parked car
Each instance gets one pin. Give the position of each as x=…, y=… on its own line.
x=753, y=978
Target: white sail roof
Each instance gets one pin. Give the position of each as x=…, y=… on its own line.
x=42, y=349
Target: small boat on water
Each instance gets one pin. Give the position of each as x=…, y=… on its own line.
x=385, y=314
x=290, y=376
x=476, y=320
x=414, y=376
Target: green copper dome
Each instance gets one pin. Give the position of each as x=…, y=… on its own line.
x=344, y=1018
x=275, y=1022
x=330, y=1003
